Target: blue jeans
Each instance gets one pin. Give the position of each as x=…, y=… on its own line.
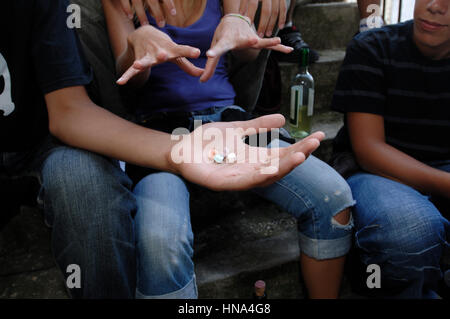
x=313, y=193
x=402, y=231
x=87, y=200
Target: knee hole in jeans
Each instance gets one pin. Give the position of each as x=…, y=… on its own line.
x=342, y=218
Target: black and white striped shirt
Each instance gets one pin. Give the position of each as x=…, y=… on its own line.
x=384, y=73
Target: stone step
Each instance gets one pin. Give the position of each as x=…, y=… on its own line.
x=326, y=26
x=239, y=241
x=330, y=123
x=325, y=72
x=27, y=267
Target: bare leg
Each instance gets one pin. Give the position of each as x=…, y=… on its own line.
x=323, y=277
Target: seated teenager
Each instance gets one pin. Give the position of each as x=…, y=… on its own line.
x=394, y=148
x=178, y=93
x=87, y=198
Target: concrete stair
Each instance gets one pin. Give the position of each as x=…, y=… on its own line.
x=239, y=238
x=329, y=25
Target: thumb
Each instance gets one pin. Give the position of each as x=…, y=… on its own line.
x=219, y=48
x=214, y=54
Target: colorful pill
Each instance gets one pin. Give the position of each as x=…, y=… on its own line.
x=231, y=158
x=218, y=158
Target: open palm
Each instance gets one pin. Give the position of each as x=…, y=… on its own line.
x=253, y=167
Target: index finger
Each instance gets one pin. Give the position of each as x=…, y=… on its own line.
x=308, y=144
x=126, y=7
x=273, y=17
x=140, y=11
x=157, y=12
x=266, y=11
x=188, y=66
x=170, y=7
x=282, y=14
x=251, y=9
x=262, y=123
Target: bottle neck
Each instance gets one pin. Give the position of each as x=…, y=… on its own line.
x=304, y=60
x=303, y=69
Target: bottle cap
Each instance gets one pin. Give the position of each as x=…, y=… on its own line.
x=260, y=287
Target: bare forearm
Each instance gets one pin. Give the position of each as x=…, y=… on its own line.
x=385, y=160
x=93, y=128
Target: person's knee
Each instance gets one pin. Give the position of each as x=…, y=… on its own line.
x=343, y=217
x=330, y=190
x=161, y=182
x=77, y=170
x=404, y=233
x=337, y=199
x=81, y=185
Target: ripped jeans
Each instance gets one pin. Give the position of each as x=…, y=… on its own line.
x=403, y=232
x=313, y=193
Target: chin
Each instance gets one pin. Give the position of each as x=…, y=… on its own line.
x=429, y=39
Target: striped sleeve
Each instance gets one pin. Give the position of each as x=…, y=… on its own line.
x=360, y=86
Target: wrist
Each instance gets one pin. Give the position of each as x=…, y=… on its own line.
x=173, y=165
x=238, y=16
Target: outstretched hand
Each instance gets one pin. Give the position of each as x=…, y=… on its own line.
x=252, y=167
x=234, y=33
x=151, y=47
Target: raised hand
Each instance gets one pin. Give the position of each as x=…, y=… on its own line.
x=150, y=46
x=252, y=167
x=234, y=33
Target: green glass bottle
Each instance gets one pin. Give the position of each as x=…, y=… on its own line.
x=302, y=99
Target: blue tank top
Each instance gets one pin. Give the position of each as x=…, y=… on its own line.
x=170, y=89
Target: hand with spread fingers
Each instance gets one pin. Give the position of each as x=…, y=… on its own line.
x=271, y=12
x=147, y=46
x=251, y=166
x=236, y=33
